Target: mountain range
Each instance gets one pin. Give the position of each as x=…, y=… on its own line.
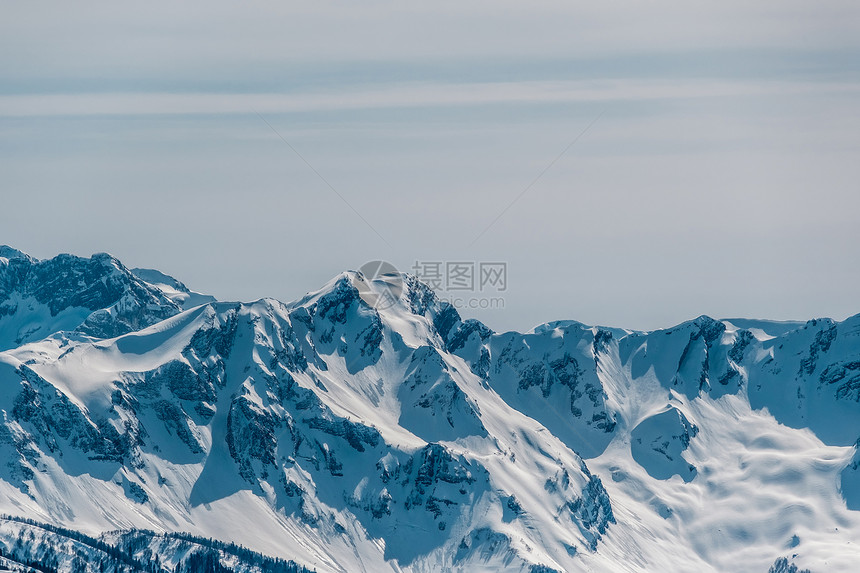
x=148, y=427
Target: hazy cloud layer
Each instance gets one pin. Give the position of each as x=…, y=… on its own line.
x=721, y=177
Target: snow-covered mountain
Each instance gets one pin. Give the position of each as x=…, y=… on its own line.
x=346, y=437
x=96, y=297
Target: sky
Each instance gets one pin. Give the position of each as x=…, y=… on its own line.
x=631, y=164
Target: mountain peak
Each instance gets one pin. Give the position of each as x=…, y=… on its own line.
x=96, y=296
x=7, y=252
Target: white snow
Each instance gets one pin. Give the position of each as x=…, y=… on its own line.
x=701, y=475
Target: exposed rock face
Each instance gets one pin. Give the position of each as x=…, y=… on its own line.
x=97, y=297
x=659, y=441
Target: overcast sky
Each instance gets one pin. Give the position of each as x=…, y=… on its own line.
x=634, y=164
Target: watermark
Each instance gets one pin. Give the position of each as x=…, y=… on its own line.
x=473, y=285
x=454, y=280
x=475, y=302
x=469, y=276
x=382, y=286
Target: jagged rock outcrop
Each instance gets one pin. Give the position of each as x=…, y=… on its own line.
x=98, y=297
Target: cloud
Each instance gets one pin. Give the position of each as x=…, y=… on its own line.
x=221, y=39
x=401, y=96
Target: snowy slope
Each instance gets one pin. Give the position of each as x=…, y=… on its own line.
x=172, y=288
x=351, y=438
x=727, y=443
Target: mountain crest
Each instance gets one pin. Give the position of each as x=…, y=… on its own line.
x=97, y=297
x=368, y=426
x=9, y=253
